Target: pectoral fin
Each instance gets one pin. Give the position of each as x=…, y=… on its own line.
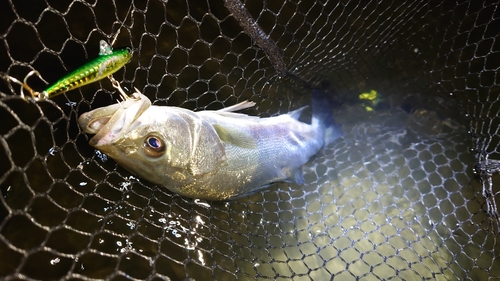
x=298, y=177
x=235, y=136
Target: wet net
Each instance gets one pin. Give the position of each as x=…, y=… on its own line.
x=408, y=193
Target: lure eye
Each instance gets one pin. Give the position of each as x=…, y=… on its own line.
x=154, y=146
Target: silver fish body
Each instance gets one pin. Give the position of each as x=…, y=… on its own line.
x=213, y=155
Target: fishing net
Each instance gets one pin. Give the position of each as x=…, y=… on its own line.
x=408, y=193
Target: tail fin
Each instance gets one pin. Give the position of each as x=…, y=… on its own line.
x=322, y=111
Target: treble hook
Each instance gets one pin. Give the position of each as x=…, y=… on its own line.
x=24, y=85
x=123, y=94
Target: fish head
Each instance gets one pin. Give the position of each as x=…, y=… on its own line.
x=164, y=145
x=153, y=152
x=129, y=133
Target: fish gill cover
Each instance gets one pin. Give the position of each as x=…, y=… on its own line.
x=409, y=192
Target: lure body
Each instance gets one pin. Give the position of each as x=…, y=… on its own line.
x=108, y=62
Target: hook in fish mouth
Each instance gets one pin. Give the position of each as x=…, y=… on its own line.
x=112, y=122
x=124, y=96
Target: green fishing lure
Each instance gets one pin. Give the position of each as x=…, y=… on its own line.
x=108, y=62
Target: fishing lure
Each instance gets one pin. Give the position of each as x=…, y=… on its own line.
x=108, y=62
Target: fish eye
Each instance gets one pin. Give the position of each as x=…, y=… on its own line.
x=154, y=146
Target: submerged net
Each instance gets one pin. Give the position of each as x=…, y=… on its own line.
x=408, y=193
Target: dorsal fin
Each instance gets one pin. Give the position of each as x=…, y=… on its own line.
x=239, y=106
x=297, y=112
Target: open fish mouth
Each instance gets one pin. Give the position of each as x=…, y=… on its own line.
x=110, y=123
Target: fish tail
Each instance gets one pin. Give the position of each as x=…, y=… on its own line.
x=322, y=113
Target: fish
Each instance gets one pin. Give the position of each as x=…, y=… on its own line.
x=213, y=155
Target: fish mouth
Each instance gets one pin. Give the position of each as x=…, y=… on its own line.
x=121, y=146
x=111, y=123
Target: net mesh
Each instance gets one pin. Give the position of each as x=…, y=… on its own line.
x=408, y=193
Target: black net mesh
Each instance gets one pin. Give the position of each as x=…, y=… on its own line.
x=406, y=194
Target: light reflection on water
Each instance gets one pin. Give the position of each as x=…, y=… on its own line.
x=384, y=213
x=188, y=234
